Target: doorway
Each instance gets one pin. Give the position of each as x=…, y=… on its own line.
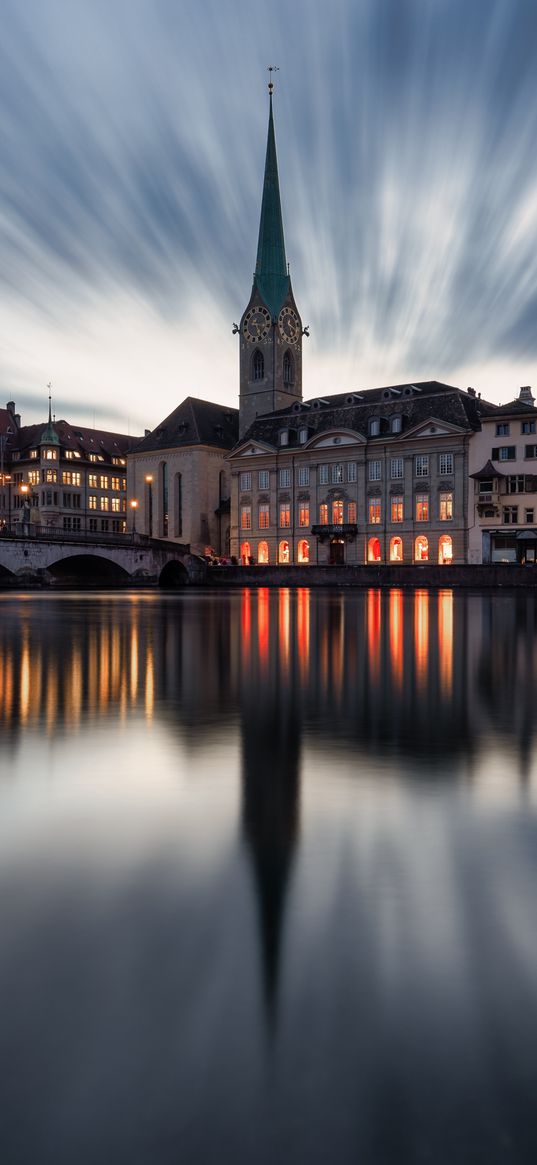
x=337, y=552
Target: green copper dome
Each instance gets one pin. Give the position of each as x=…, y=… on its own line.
x=271, y=276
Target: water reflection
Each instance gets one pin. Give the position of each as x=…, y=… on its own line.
x=268, y=872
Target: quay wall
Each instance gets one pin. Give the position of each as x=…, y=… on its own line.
x=484, y=577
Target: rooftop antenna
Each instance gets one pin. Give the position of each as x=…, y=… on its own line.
x=272, y=69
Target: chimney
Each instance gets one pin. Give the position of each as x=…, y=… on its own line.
x=525, y=395
x=16, y=416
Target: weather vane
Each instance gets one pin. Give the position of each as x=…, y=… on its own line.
x=272, y=69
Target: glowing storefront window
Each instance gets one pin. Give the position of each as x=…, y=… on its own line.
x=303, y=551
x=421, y=549
x=373, y=550
x=262, y=553
x=396, y=550
x=283, y=552
x=245, y=553
x=445, y=550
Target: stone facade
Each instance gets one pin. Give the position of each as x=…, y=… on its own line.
x=179, y=477
x=503, y=485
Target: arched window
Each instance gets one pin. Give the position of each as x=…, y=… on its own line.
x=445, y=550
x=373, y=550
x=164, y=498
x=288, y=368
x=304, y=550
x=421, y=549
x=262, y=553
x=245, y=553
x=396, y=550
x=374, y=427
x=258, y=365
x=283, y=552
x=178, y=505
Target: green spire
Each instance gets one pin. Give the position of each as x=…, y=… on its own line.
x=49, y=435
x=271, y=275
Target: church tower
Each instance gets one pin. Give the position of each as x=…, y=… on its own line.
x=270, y=329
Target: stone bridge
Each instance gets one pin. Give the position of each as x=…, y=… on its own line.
x=43, y=556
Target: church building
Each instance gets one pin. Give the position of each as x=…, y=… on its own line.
x=379, y=475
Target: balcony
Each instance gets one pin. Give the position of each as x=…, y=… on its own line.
x=347, y=530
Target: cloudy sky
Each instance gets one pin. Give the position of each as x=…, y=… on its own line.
x=132, y=137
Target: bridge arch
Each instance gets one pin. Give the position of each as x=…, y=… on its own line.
x=90, y=568
x=174, y=574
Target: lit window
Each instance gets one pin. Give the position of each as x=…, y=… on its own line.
x=396, y=550
x=116, y=483
x=396, y=508
x=351, y=471
x=374, y=511
x=351, y=513
x=262, y=553
x=245, y=554
x=285, y=514
x=337, y=513
x=421, y=549
x=245, y=482
x=304, y=514
x=33, y=477
x=445, y=550
x=374, y=470
x=422, y=465
x=50, y=454
x=373, y=550
x=92, y=502
x=445, y=464
x=304, y=475
x=323, y=514
x=104, y=503
x=285, y=478
x=246, y=517
x=264, y=516
x=303, y=551
x=323, y=475
x=115, y=505
x=422, y=507
x=103, y=481
x=283, y=552
x=92, y=480
x=50, y=475
x=445, y=511
x=337, y=474
x=263, y=479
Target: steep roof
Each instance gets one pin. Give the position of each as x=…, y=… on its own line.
x=415, y=402
x=194, y=422
x=77, y=437
x=271, y=275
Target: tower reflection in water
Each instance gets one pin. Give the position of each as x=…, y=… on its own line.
x=421, y=675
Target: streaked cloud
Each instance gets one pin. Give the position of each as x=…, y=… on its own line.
x=133, y=141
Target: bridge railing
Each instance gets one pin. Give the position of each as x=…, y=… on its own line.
x=25, y=530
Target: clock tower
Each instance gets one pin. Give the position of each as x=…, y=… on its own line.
x=270, y=331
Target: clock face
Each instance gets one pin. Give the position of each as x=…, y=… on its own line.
x=289, y=325
x=256, y=324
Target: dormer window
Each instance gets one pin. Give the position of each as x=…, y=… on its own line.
x=396, y=424
x=374, y=427
x=258, y=365
x=302, y=436
x=284, y=437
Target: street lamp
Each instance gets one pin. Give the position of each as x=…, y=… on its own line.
x=149, y=483
x=134, y=507
x=25, y=518
x=5, y=478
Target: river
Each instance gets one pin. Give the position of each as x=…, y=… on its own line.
x=268, y=877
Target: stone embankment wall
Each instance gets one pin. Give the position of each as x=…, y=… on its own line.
x=476, y=577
